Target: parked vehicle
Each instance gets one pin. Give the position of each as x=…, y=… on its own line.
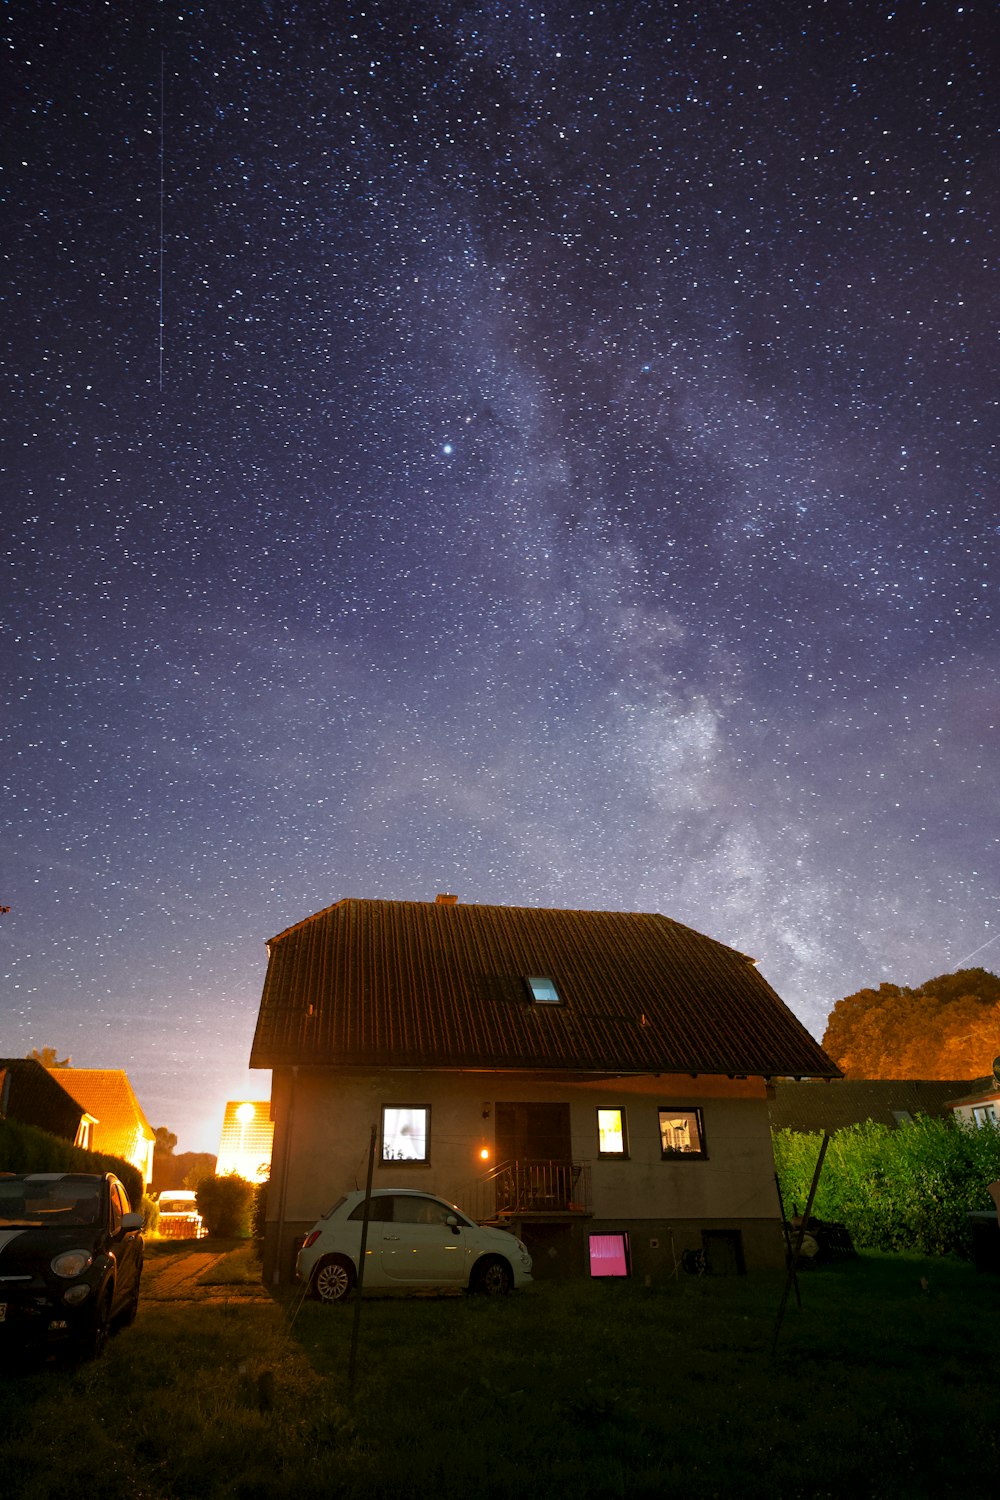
x=179, y=1216
x=70, y=1258
x=415, y=1242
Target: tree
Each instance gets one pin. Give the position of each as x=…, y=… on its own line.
x=49, y=1059
x=948, y=1027
x=165, y=1140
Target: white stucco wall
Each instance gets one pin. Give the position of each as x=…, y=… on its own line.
x=332, y=1115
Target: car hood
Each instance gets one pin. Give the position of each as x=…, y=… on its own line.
x=31, y=1246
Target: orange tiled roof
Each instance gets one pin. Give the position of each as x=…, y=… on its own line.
x=122, y=1129
x=246, y=1143
x=439, y=985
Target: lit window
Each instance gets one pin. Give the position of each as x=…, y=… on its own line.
x=405, y=1133
x=543, y=991
x=682, y=1133
x=611, y=1140
x=609, y=1255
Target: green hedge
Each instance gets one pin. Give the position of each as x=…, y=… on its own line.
x=25, y=1148
x=909, y=1188
x=226, y=1205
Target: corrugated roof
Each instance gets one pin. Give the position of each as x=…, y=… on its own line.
x=434, y=985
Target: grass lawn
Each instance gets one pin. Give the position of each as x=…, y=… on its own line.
x=880, y=1387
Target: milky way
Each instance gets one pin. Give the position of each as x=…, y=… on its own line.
x=573, y=483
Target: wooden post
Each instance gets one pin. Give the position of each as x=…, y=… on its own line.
x=798, y=1242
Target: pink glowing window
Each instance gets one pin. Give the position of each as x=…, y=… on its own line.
x=609, y=1255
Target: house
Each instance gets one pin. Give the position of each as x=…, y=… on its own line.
x=596, y=1081
x=118, y=1126
x=806, y=1105
x=976, y=1102
x=247, y=1135
x=30, y=1095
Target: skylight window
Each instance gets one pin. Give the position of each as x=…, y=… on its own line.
x=543, y=991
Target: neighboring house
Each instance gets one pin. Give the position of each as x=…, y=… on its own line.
x=805, y=1105
x=30, y=1095
x=119, y=1127
x=977, y=1102
x=596, y=1081
x=247, y=1134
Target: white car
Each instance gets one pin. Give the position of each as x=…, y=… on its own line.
x=415, y=1242
x=179, y=1216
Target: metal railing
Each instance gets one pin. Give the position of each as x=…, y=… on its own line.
x=531, y=1188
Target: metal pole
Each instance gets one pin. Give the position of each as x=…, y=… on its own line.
x=798, y=1242
x=361, y=1262
x=788, y=1239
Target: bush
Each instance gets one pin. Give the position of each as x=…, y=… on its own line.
x=150, y=1214
x=225, y=1204
x=910, y=1188
x=25, y=1148
x=258, y=1221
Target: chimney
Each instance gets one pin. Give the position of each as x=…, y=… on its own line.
x=444, y=899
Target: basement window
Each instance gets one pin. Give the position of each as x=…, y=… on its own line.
x=543, y=991
x=609, y=1254
x=406, y=1133
x=682, y=1134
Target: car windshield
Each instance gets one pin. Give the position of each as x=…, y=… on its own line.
x=49, y=1202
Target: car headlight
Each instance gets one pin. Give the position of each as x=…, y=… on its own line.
x=72, y=1263
x=74, y=1295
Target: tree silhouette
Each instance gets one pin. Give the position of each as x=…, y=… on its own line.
x=48, y=1058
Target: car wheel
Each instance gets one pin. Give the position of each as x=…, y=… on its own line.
x=91, y=1344
x=492, y=1278
x=332, y=1279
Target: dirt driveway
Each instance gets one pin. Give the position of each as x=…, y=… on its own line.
x=179, y=1279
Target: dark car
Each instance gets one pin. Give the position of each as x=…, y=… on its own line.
x=70, y=1258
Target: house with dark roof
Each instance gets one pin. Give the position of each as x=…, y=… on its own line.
x=596, y=1081
x=30, y=1095
x=806, y=1105
x=118, y=1126
x=978, y=1101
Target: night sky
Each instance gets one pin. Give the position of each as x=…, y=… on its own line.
x=569, y=478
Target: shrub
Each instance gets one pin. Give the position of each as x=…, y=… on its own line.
x=225, y=1204
x=25, y=1148
x=910, y=1188
x=258, y=1221
x=150, y=1214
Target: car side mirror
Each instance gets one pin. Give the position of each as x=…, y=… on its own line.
x=131, y=1222
x=453, y=1224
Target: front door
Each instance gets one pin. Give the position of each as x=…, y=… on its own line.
x=535, y=1150
x=533, y=1133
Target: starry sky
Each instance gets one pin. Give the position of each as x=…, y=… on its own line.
x=546, y=453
